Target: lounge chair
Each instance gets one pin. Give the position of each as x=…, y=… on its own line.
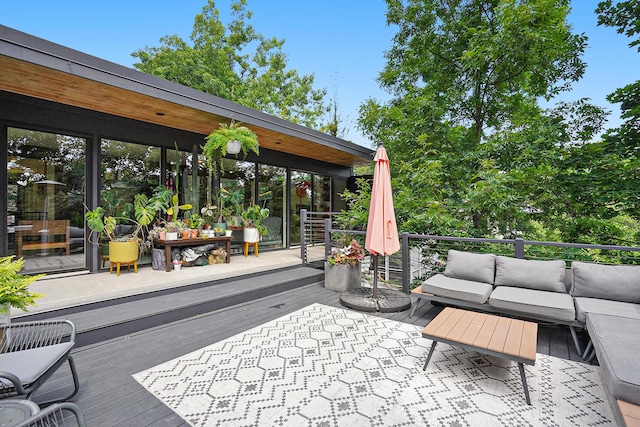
x=31, y=352
x=24, y=413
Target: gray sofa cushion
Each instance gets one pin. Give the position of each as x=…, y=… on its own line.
x=538, y=304
x=613, y=282
x=603, y=306
x=465, y=290
x=524, y=273
x=617, y=347
x=471, y=266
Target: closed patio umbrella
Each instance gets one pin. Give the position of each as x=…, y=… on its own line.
x=381, y=239
x=382, y=231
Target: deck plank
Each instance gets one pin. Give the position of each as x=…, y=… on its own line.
x=110, y=396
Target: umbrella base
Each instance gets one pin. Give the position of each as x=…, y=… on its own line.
x=388, y=300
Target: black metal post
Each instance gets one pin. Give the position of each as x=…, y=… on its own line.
x=519, y=247
x=327, y=236
x=303, y=236
x=406, y=263
x=375, y=277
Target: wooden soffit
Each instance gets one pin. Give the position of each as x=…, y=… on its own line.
x=125, y=99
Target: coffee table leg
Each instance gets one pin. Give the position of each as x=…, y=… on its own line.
x=524, y=383
x=433, y=347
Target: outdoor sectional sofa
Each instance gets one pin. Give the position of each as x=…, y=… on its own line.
x=604, y=299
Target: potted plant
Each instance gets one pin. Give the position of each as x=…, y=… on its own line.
x=252, y=218
x=217, y=147
x=177, y=264
x=208, y=213
x=126, y=248
x=158, y=232
x=233, y=205
x=14, y=287
x=172, y=230
x=342, y=268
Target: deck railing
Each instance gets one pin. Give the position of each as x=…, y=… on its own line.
x=312, y=232
x=422, y=256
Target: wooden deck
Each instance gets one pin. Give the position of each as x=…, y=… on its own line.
x=110, y=396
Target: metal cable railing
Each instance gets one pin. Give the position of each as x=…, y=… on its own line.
x=421, y=256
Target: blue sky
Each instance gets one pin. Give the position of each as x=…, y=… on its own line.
x=341, y=42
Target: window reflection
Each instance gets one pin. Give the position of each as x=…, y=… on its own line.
x=45, y=195
x=272, y=182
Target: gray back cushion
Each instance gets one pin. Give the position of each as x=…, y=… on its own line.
x=470, y=266
x=524, y=273
x=613, y=282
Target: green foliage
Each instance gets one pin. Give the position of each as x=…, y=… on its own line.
x=175, y=207
x=253, y=215
x=146, y=211
x=14, y=287
x=624, y=15
x=471, y=151
x=216, y=146
x=236, y=63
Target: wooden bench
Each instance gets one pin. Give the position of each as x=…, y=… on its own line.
x=39, y=235
x=630, y=413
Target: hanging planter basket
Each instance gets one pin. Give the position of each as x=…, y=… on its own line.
x=226, y=139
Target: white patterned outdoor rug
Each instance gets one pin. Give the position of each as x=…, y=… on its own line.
x=326, y=366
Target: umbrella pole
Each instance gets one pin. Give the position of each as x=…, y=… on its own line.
x=375, y=277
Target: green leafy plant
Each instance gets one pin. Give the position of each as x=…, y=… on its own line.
x=216, y=146
x=146, y=211
x=14, y=287
x=349, y=255
x=234, y=202
x=253, y=216
x=176, y=207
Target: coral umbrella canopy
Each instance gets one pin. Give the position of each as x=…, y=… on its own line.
x=382, y=239
x=382, y=231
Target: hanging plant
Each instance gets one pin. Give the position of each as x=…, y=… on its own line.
x=216, y=146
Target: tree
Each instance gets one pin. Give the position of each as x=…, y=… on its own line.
x=613, y=173
x=471, y=149
x=236, y=63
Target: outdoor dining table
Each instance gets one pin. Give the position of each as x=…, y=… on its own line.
x=169, y=244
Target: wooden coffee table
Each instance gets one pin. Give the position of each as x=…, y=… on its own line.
x=510, y=339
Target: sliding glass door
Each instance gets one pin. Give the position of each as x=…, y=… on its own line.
x=45, y=196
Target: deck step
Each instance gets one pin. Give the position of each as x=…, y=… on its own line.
x=105, y=320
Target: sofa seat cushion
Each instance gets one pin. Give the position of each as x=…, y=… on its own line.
x=617, y=345
x=465, y=290
x=612, y=282
x=531, y=274
x=471, y=266
x=604, y=306
x=538, y=304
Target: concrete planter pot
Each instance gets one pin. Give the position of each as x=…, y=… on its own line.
x=341, y=277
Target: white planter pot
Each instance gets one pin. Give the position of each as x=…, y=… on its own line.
x=177, y=266
x=341, y=277
x=233, y=147
x=229, y=233
x=172, y=235
x=5, y=318
x=251, y=235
